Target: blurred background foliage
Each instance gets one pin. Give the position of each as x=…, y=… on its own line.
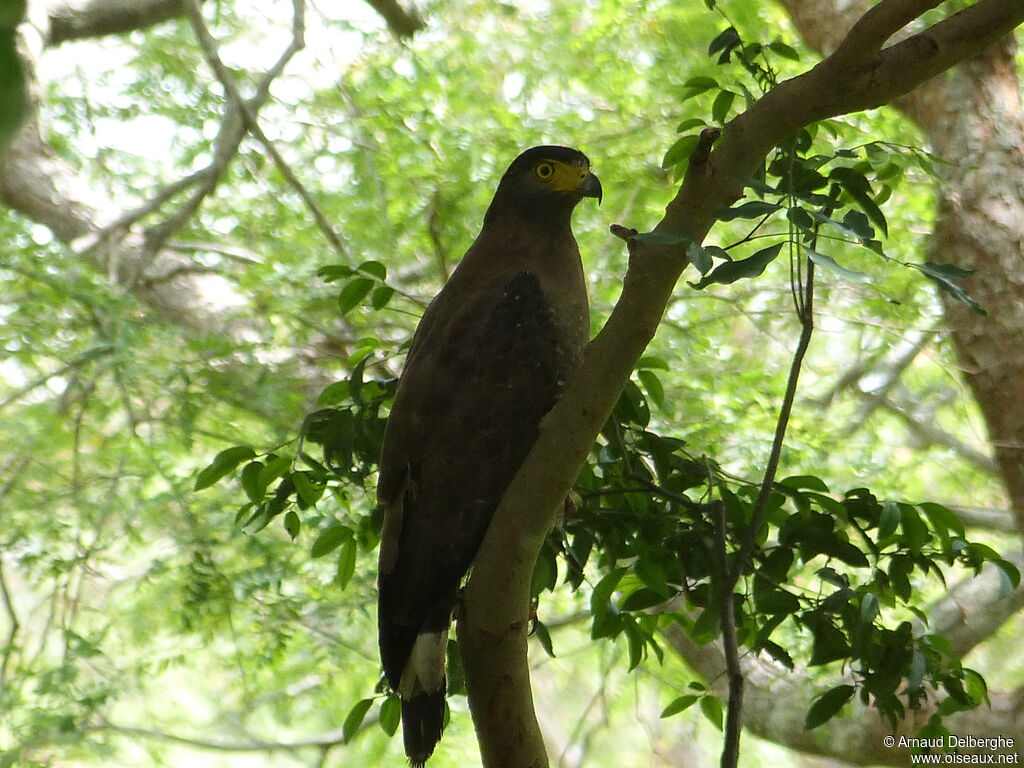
x=145, y=625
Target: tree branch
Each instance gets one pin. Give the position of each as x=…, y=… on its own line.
x=972, y=610
x=929, y=434
x=776, y=704
x=13, y=629
x=37, y=183
x=492, y=631
x=401, y=21
x=209, y=46
x=878, y=24
x=80, y=19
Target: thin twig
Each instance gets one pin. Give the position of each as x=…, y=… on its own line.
x=805, y=314
x=803, y=295
x=12, y=632
x=434, y=231
x=225, y=147
x=727, y=617
x=209, y=47
x=39, y=381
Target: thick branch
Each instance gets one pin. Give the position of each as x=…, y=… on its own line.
x=880, y=23
x=970, y=612
x=777, y=699
x=402, y=21
x=492, y=632
x=37, y=183
x=79, y=19
x=975, y=121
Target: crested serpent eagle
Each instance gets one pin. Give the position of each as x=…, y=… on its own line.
x=488, y=360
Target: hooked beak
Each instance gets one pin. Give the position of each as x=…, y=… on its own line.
x=591, y=187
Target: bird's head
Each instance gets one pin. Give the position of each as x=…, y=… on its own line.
x=547, y=181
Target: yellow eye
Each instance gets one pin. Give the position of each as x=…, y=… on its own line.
x=544, y=171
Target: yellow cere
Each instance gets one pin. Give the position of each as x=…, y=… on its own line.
x=561, y=176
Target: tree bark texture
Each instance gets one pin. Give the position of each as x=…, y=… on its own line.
x=38, y=184
x=973, y=119
x=855, y=78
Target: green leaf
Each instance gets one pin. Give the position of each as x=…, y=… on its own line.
x=828, y=263
x=1009, y=576
x=700, y=257
x=805, y=481
x=829, y=643
x=292, y=524
x=845, y=551
x=775, y=569
x=946, y=271
x=679, y=704
x=330, y=538
x=354, y=719
x=375, y=269
x=721, y=105
x=731, y=271
x=942, y=275
x=915, y=532
x=784, y=50
x=826, y=706
x=652, y=385
x=223, y=463
x=831, y=576
x=250, y=478
x=307, y=490
x=918, y=667
x=334, y=393
x=680, y=150
x=390, y=715
x=708, y=624
x=724, y=42
x=889, y=519
x=858, y=187
x=868, y=608
x=693, y=122
x=641, y=599
x=381, y=296
x=711, y=706
x=652, y=362
x=346, y=563
x=274, y=468
x=355, y=291
x=753, y=209
x=701, y=82
x=777, y=601
x=332, y=272
x=540, y=631
x=634, y=642
x=977, y=688
x=779, y=653
x=900, y=567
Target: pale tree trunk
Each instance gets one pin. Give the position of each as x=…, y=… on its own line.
x=38, y=184
x=972, y=118
x=980, y=226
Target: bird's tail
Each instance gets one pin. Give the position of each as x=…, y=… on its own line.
x=422, y=689
x=422, y=723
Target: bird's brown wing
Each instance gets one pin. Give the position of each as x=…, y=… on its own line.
x=485, y=367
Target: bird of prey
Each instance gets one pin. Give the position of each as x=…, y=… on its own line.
x=488, y=360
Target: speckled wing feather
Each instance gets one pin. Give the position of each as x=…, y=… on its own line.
x=488, y=360
x=482, y=372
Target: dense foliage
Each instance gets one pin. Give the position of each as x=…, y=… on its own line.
x=189, y=534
